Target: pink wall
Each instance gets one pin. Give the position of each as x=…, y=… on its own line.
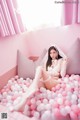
x=62, y=36
x=8, y=51
x=32, y=43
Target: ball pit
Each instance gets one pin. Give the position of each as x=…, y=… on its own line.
x=61, y=103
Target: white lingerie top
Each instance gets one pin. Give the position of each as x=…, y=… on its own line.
x=56, y=67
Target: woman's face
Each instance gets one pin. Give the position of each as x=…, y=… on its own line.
x=53, y=54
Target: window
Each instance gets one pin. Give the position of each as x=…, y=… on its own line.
x=39, y=13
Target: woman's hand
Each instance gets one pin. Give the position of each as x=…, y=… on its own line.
x=65, y=59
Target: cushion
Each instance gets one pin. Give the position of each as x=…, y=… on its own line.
x=25, y=67
x=74, y=58
x=41, y=58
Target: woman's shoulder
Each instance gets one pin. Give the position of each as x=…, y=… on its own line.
x=63, y=59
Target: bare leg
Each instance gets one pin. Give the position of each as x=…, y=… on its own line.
x=49, y=81
x=32, y=89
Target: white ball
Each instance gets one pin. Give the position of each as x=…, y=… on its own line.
x=74, y=97
x=63, y=111
x=16, y=92
x=42, y=89
x=51, y=101
x=38, y=102
x=47, y=106
x=1, y=96
x=21, y=79
x=69, y=93
x=15, y=102
x=59, y=95
x=68, y=97
x=10, y=81
x=4, y=94
x=41, y=107
x=49, y=96
x=11, y=108
x=45, y=101
x=26, y=108
x=79, y=105
x=78, y=100
x=46, y=116
x=68, y=109
x=8, y=104
x=66, y=80
x=33, y=101
x=9, y=97
x=44, y=95
x=60, y=101
x=76, y=83
x=36, y=115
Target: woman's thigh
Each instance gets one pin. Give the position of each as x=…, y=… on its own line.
x=51, y=83
x=45, y=74
x=41, y=84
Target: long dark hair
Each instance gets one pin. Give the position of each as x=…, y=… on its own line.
x=49, y=61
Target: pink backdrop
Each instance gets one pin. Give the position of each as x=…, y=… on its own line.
x=32, y=43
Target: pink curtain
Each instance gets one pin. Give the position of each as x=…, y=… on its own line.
x=10, y=20
x=71, y=12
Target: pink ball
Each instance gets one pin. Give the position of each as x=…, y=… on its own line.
x=7, y=89
x=28, y=102
x=13, y=79
x=16, y=77
x=67, y=102
x=63, y=85
x=67, y=76
x=57, y=112
x=27, y=84
x=58, y=87
x=73, y=115
x=55, y=105
x=53, y=89
x=75, y=109
x=4, y=101
x=32, y=112
x=14, y=97
x=3, y=90
x=64, y=93
x=79, y=96
x=32, y=107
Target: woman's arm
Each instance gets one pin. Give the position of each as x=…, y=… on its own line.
x=63, y=68
x=61, y=52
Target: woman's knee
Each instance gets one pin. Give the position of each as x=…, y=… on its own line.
x=39, y=68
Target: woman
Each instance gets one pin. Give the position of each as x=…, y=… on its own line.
x=48, y=75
